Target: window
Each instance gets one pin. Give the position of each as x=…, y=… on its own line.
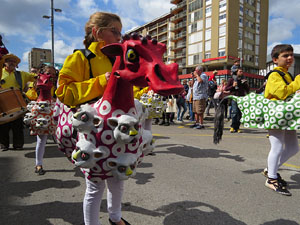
x=249, y=24
x=222, y=6
x=256, y=60
x=256, y=49
x=257, y=17
x=240, y=33
x=196, y=59
x=195, y=37
x=194, y=16
x=249, y=35
x=208, y=34
x=257, y=28
x=241, y=21
x=208, y=11
x=195, y=5
x=222, y=18
x=207, y=2
x=241, y=10
x=248, y=46
x=221, y=52
x=208, y=22
x=250, y=2
x=207, y=55
x=222, y=42
x=249, y=12
x=257, y=39
x=200, y=25
x=258, y=7
x=198, y=15
x=195, y=48
x=193, y=27
x=207, y=46
x=222, y=30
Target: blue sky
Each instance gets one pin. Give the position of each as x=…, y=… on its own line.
x=22, y=26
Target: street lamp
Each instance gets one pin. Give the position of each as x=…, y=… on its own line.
x=52, y=28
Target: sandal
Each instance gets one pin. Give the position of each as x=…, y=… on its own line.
x=113, y=223
x=277, y=187
x=40, y=170
x=279, y=178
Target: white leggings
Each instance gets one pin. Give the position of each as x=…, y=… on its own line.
x=284, y=144
x=40, y=149
x=93, y=196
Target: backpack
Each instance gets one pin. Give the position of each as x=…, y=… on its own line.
x=89, y=55
x=281, y=74
x=212, y=87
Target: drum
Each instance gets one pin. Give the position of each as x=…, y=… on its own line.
x=12, y=105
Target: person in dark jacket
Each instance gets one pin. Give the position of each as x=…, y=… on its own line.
x=237, y=86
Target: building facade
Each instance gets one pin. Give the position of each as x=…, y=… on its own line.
x=38, y=56
x=214, y=33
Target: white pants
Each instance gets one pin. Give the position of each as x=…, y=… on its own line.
x=40, y=149
x=93, y=196
x=284, y=144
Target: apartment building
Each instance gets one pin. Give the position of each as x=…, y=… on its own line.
x=214, y=33
x=220, y=31
x=159, y=29
x=38, y=56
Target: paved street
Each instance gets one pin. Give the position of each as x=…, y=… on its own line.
x=189, y=181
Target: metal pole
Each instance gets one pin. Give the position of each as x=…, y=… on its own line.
x=52, y=33
x=241, y=56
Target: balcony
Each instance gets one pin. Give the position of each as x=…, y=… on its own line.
x=162, y=38
x=162, y=23
x=179, y=26
x=179, y=36
x=164, y=30
x=178, y=7
x=178, y=17
x=175, y=1
x=153, y=27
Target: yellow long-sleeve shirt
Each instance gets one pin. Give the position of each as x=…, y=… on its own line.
x=75, y=86
x=277, y=89
x=10, y=79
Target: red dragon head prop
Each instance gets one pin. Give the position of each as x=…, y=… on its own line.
x=139, y=61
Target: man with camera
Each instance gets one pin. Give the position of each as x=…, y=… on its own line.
x=199, y=96
x=237, y=86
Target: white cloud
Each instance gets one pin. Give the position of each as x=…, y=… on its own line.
x=276, y=33
x=61, y=49
x=139, y=12
x=285, y=9
x=86, y=7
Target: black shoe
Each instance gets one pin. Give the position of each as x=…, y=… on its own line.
x=274, y=185
x=18, y=148
x=40, y=171
x=279, y=178
x=194, y=125
x=161, y=123
x=112, y=223
x=167, y=124
x=4, y=149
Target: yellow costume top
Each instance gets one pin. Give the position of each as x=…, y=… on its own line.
x=277, y=89
x=10, y=79
x=74, y=85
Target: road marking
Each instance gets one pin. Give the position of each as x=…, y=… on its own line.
x=291, y=165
